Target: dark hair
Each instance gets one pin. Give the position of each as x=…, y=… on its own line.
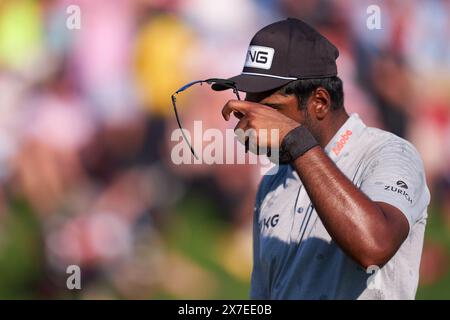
x=303, y=89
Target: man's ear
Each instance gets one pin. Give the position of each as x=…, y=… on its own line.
x=321, y=103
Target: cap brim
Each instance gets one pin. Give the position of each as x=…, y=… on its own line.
x=253, y=83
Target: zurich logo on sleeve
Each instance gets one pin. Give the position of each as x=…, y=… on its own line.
x=400, y=188
x=259, y=57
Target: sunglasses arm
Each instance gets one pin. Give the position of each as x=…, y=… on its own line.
x=174, y=103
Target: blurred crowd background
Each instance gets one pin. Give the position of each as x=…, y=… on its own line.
x=85, y=122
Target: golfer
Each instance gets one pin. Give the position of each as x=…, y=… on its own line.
x=344, y=217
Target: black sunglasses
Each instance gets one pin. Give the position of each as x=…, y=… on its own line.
x=223, y=82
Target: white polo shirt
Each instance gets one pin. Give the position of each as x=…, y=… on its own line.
x=295, y=257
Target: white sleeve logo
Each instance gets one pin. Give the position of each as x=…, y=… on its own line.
x=259, y=57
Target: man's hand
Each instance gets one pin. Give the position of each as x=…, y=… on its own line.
x=257, y=116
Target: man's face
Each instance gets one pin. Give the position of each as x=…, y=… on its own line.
x=283, y=103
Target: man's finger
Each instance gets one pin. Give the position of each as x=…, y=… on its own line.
x=238, y=114
x=240, y=107
x=242, y=124
x=241, y=132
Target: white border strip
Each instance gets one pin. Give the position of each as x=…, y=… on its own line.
x=268, y=75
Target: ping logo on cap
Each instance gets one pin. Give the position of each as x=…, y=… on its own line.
x=259, y=57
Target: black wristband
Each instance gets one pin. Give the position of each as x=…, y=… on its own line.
x=296, y=143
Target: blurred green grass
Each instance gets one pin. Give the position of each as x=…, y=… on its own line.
x=20, y=253
x=196, y=233
x=437, y=232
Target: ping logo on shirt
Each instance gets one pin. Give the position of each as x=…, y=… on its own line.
x=341, y=142
x=271, y=221
x=400, y=189
x=259, y=57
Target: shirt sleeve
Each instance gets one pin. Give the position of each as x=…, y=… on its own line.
x=395, y=175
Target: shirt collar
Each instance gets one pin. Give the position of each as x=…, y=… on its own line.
x=345, y=137
x=341, y=143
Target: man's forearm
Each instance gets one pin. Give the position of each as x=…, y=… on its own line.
x=355, y=223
